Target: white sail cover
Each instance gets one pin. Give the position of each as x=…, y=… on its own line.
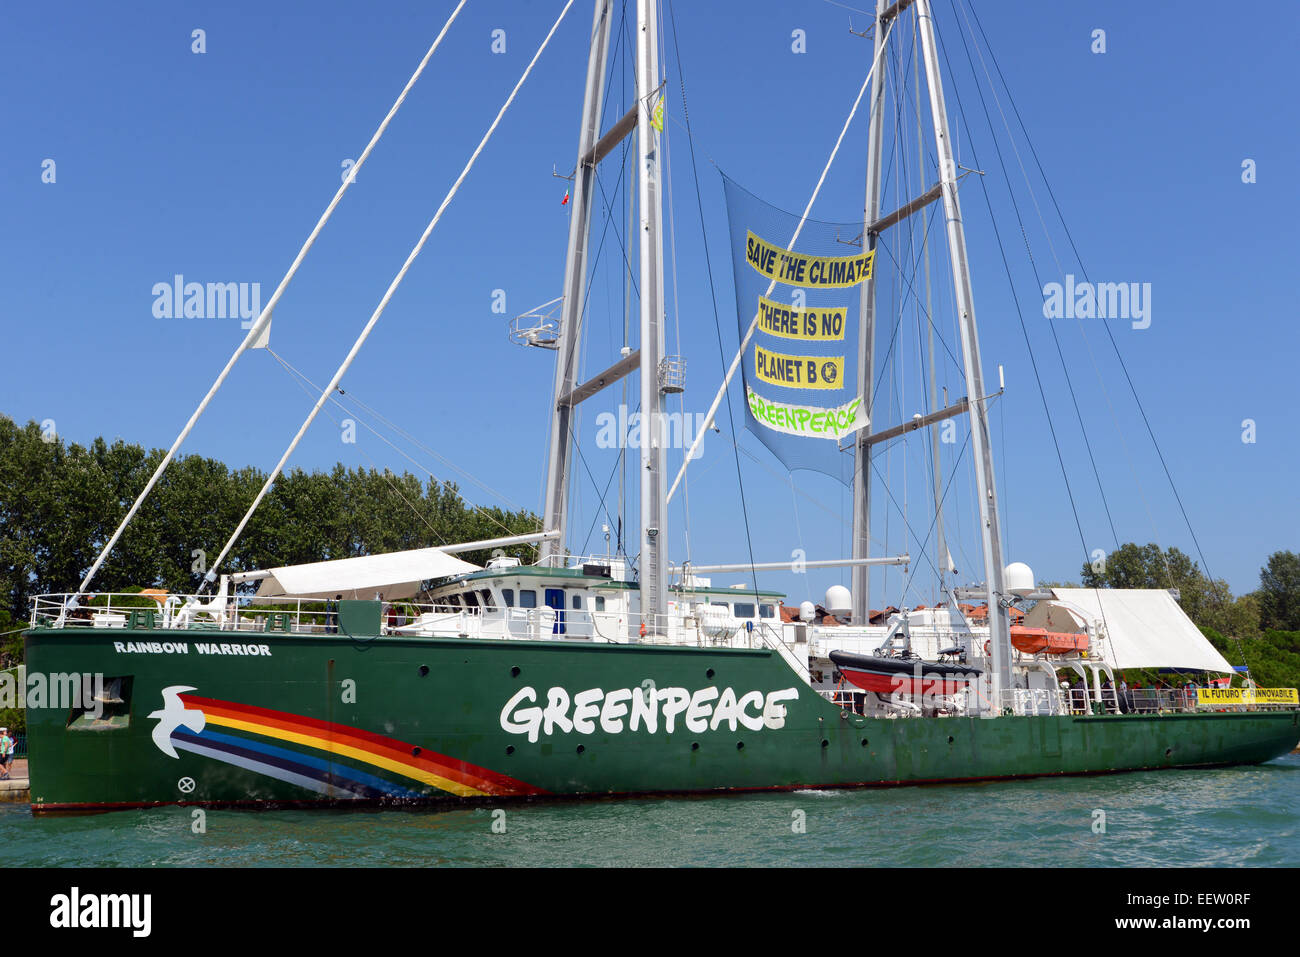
x=394, y=575
x=1147, y=629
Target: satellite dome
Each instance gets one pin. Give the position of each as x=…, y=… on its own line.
x=839, y=601
x=1020, y=579
x=807, y=611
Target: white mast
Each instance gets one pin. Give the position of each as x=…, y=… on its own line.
x=867, y=331
x=981, y=446
x=654, y=538
x=569, y=337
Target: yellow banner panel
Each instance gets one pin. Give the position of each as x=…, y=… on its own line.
x=796, y=269
x=810, y=325
x=798, y=372
x=807, y=421
x=1222, y=696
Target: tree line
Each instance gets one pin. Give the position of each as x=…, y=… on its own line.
x=60, y=502
x=1261, y=626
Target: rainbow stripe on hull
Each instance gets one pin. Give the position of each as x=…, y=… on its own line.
x=334, y=777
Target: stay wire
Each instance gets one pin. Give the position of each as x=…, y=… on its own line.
x=1111, y=336
x=1042, y=392
x=713, y=292
x=1033, y=265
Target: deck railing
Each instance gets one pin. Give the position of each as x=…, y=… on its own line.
x=400, y=618
x=253, y=615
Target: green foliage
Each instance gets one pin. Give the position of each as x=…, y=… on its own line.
x=1279, y=592
x=1274, y=656
x=1233, y=625
x=11, y=655
x=1208, y=603
x=60, y=503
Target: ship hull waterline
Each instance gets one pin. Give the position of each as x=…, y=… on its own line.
x=279, y=720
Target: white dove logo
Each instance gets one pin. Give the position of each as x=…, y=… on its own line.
x=172, y=715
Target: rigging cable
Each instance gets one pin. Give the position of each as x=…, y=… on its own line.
x=1023, y=328
x=1083, y=543
x=259, y=326
x=388, y=294
x=304, y=381
x=713, y=295
x=1115, y=346
x=1033, y=265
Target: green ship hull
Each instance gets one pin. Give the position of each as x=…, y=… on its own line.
x=275, y=719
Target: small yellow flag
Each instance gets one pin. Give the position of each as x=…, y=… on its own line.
x=657, y=115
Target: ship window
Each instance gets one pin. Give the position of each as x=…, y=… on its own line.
x=766, y=611
x=744, y=609
x=471, y=601
x=486, y=594
x=453, y=601
x=527, y=598
x=600, y=603
x=508, y=595
x=577, y=603
x=105, y=707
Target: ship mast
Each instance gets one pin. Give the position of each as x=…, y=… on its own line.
x=648, y=358
x=976, y=397
x=980, y=440
x=867, y=330
x=654, y=539
x=568, y=335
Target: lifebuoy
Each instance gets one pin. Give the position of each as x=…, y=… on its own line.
x=988, y=649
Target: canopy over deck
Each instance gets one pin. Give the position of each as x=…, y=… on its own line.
x=1146, y=627
x=394, y=575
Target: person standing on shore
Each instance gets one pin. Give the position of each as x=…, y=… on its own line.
x=6, y=753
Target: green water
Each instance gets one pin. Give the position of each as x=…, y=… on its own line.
x=1233, y=816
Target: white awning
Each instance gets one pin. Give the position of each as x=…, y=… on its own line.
x=1146, y=627
x=394, y=575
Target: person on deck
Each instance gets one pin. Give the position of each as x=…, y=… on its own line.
x=7, y=745
x=1079, y=696
x=332, y=615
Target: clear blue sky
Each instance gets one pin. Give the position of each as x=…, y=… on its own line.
x=216, y=165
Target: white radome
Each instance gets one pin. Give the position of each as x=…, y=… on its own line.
x=807, y=611
x=1020, y=579
x=839, y=601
